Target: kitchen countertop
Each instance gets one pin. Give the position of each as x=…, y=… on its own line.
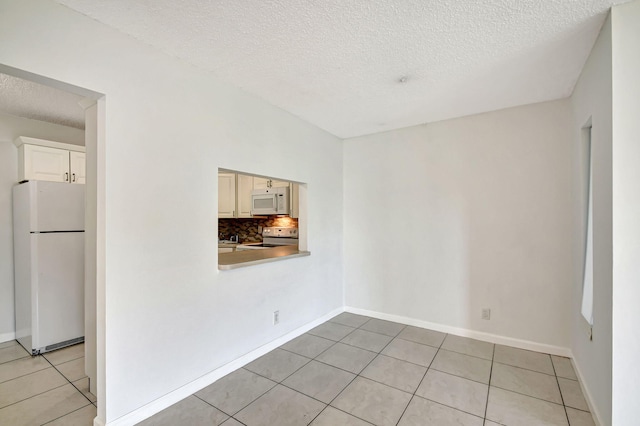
x=227, y=245
x=239, y=259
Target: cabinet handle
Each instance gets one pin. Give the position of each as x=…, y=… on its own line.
x=66, y=176
x=73, y=177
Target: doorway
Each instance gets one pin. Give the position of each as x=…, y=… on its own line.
x=43, y=109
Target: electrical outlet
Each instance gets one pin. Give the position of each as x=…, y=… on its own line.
x=276, y=317
x=486, y=314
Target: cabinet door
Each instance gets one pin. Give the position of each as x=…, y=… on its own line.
x=295, y=200
x=245, y=186
x=279, y=184
x=260, y=183
x=263, y=183
x=226, y=195
x=44, y=163
x=77, y=167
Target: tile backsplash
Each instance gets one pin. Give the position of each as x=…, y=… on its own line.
x=247, y=229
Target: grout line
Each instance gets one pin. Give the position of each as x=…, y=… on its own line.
x=67, y=379
x=486, y=407
x=70, y=412
x=33, y=396
x=352, y=380
x=524, y=394
x=560, y=390
x=525, y=368
x=22, y=375
x=421, y=380
x=252, y=401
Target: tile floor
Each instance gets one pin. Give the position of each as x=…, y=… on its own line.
x=50, y=389
x=357, y=371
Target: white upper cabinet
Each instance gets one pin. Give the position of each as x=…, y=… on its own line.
x=245, y=186
x=39, y=159
x=234, y=193
x=78, y=167
x=263, y=183
x=226, y=195
x=44, y=163
x=295, y=200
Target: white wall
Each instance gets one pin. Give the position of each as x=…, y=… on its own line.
x=10, y=128
x=170, y=315
x=626, y=212
x=591, y=99
x=445, y=219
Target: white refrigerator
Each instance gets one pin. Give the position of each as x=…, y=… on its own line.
x=48, y=240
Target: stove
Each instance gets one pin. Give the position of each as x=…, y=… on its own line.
x=273, y=236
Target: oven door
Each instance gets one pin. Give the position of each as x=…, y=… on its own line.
x=264, y=204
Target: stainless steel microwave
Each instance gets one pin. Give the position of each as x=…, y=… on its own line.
x=270, y=201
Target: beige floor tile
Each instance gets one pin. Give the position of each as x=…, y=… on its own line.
x=490, y=423
x=527, y=382
x=410, y=351
x=428, y=413
x=563, y=367
x=383, y=327
x=72, y=370
x=332, y=331
x=12, y=352
x=395, y=373
x=189, y=411
x=374, y=402
x=349, y=319
x=81, y=417
x=572, y=394
x=467, y=346
x=453, y=391
x=333, y=417
x=29, y=385
x=320, y=381
x=44, y=407
x=20, y=367
x=8, y=344
x=368, y=340
x=347, y=357
x=510, y=408
x=530, y=360
x=277, y=364
x=579, y=417
x=308, y=345
x=232, y=422
x=83, y=386
x=281, y=406
x=466, y=366
x=423, y=336
x=65, y=354
x=235, y=391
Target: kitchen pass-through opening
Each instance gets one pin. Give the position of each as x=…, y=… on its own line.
x=257, y=213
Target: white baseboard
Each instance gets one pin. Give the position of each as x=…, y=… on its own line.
x=179, y=394
x=479, y=335
x=5, y=337
x=597, y=419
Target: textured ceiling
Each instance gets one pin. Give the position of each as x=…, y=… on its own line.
x=24, y=98
x=355, y=67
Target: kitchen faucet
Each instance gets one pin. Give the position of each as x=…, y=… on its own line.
x=234, y=238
